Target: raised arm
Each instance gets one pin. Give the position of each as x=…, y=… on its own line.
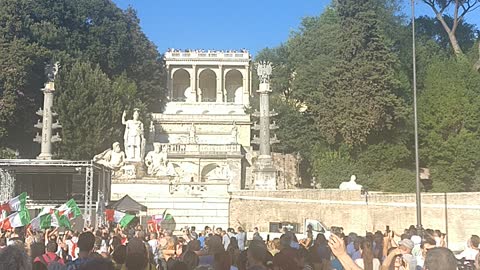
x=124, y=118
x=337, y=246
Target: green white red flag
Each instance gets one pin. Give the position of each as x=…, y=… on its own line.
x=15, y=204
x=69, y=209
x=17, y=219
x=119, y=217
x=49, y=217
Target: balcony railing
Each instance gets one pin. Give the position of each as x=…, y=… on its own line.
x=212, y=54
x=202, y=149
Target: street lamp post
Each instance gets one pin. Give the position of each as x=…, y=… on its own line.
x=417, y=162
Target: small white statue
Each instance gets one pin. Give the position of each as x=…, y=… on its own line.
x=157, y=162
x=134, y=139
x=350, y=185
x=192, y=134
x=234, y=134
x=112, y=158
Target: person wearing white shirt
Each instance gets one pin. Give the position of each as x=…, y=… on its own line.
x=471, y=250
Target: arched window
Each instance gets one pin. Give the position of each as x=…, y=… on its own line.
x=234, y=86
x=181, y=85
x=208, y=85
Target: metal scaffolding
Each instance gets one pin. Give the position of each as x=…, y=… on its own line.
x=94, y=173
x=7, y=184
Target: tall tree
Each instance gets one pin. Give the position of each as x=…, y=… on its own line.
x=449, y=121
x=460, y=8
x=93, y=31
x=356, y=98
x=90, y=105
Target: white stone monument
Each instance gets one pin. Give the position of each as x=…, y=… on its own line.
x=134, y=138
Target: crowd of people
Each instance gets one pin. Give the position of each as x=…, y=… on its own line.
x=149, y=248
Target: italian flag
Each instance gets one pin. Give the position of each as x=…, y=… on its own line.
x=69, y=209
x=118, y=217
x=49, y=218
x=17, y=219
x=15, y=204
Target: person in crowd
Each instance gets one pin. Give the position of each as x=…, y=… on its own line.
x=367, y=261
x=193, y=233
x=233, y=251
x=406, y=246
x=153, y=244
x=97, y=264
x=50, y=256
x=256, y=234
x=241, y=238
x=471, y=251
x=337, y=246
x=225, y=240
x=350, y=244
x=320, y=253
x=119, y=256
x=256, y=255
x=307, y=242
x=394, y=260
x=190, y=257
x=86, y=242
x=14, y=257
x=137, y=256
x=36, y=249
x=440, y=258
x=426, y=245
x=285, y=259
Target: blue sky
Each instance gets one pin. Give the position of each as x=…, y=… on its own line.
x=214, y=24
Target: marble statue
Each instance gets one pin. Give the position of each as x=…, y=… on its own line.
x=112, y=158
x=134, y=139
x=192, y=134
x=350, y=185
x=234, y=134
x=157, y=162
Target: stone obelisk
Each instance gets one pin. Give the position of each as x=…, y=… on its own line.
x=265, y=175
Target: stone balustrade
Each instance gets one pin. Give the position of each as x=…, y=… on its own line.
x=202, y=149
x=213, y=54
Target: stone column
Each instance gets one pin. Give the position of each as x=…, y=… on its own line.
x=220, y=85
x=46, y=147
x=170, y=83
x=264, y=90
x=265, y=175
x=246, y=86
x=193, y=82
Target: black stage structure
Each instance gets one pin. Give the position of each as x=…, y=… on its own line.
x=53, y=182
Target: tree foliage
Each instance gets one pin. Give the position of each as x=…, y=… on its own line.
x=348, y=74
x=93, y=31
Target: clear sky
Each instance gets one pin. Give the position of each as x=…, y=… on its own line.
x=223, y=25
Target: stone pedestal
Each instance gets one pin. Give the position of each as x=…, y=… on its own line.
x=131, y=170
x=265, y=175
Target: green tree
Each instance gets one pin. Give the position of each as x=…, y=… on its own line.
x=93, y=31
x=451, y=24
x=357, y=97
x=449, y=120
x=90, y=106
x=21, y=73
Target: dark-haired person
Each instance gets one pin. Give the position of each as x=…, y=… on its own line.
x=86, y=242
x=50, y=256
x=440, y=258
x=137, y=256
x=14, y=257
x=367, y=261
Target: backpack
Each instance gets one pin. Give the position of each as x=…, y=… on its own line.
x=52, y=264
